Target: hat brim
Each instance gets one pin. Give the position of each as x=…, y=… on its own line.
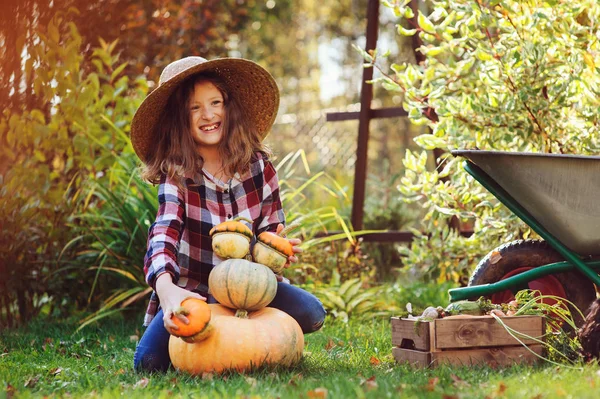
x=252, y=85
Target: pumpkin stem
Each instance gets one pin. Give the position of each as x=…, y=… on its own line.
x=241, y=313
x=181, y=310
x=202, y=335
x=244, y=219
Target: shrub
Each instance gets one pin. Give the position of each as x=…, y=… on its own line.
x=502, y=75
x=51, y=152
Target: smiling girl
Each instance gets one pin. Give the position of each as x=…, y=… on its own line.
x=199, y=134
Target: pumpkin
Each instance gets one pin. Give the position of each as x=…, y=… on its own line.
x=267, y=336
x=242, y=285
x=198, y=315
x=272, y=250
x=231, y=239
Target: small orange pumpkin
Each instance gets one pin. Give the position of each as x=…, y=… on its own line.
x=242, y=285
x=231, y=239
x=198, y=314
x=272, y=251
x=267, y=336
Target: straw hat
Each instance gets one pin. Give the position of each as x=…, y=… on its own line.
x=250, y=83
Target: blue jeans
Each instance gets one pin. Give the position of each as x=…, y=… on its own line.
x=152, y=352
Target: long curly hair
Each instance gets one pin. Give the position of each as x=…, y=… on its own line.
x=175, y=152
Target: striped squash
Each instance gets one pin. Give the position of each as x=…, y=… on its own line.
x=267, y=336
x=242, y=285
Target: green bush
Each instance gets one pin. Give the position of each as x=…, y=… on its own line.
x=51, y=153
x=502, y=75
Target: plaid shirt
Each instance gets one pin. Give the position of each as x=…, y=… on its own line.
x=179, y=242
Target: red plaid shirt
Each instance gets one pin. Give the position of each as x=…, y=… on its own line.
x=179, y=242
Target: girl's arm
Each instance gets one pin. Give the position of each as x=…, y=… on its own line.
x=271, y=209
x=160, y=262
x=273, y=217
x=164, y=234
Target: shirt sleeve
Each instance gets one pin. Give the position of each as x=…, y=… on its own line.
x=165, y=233
x=271, y=208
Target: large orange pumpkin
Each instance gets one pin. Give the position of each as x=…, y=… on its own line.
x=267, y=336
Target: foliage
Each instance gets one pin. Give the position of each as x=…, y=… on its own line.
x=329, y=241
x=151, y=34
x=50, y=153
x=385, y=210
x=341, y=360
x=353, y=299
x=503, y=75
x=112, y=237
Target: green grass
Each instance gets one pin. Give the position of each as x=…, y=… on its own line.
x=348, y=361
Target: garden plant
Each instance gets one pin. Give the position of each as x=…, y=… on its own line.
x=503, y=75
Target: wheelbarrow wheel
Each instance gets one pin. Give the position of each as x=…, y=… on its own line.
x=519, y=256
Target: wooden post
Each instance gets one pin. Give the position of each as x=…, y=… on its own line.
x=366, y=95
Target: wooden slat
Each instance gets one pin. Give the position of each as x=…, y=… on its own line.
x=501, y=356
x=387, y=236
x=477, y=331
x=366, y=95
x=408, y=335
x=417, y=358
x=379, y=113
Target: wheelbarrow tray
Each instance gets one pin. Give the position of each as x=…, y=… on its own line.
x=561, y=192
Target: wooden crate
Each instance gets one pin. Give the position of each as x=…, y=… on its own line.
x=466, y=340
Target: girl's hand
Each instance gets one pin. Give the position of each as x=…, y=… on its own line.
x=171, y=296
x=295, y=248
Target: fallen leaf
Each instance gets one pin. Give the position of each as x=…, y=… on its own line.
x=432, y=384
x=330, y=344
x=31, y=381
x=318, y=393
x=56, y=371
x=207, y=376
x=134, y=338
x=143, y=383
x=10, y=391
x=495, y=257
x=370, y=384
x=294, y=380
x=120, y=371
x=251, y=381
x=459, y=382
x=375, y=361
x=446, y=396
x=501, y=388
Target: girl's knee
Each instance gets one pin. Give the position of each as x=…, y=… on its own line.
x=313, y=318
x=149, y=361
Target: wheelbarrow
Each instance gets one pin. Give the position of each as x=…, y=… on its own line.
x=558, y=196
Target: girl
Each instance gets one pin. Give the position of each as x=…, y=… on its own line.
x=199, y=135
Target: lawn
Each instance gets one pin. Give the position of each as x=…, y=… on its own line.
x=341, y=361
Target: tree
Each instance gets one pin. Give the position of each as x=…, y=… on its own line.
x=151, y=34
x=502, y=75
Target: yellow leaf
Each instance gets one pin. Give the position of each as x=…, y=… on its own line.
x=589, y=60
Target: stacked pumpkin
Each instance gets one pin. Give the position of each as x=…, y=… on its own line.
x=240, y=333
